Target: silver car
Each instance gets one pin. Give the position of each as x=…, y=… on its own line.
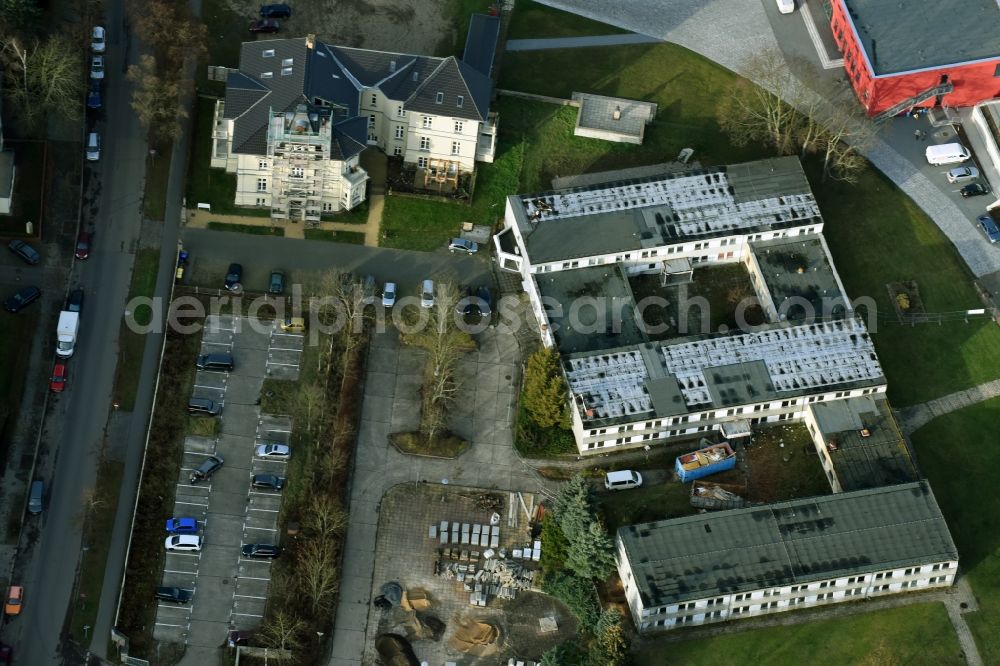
x=962, y=174
x=93, y=147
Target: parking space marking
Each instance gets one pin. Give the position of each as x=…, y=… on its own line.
x=291, y=349
x=248, y=614
x=164, y=624
x=247, y=559
x=181, y=552
x=262, y=510
x=186, y=573
x=264, y=529
x=284, y=365
x=191, y=503
x=254, y=578
x=248, y=596
x=212, y=388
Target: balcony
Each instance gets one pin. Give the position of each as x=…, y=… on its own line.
x=486, y=144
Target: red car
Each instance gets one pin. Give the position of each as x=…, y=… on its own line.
x=265, y=25
x=59, y=376
x=83, y=242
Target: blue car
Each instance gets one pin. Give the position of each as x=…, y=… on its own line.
x=989, y=227
x=182, y=526
x=94, y=97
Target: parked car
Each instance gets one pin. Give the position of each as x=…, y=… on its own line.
x=267, y=482
x=22, y=299
x=368, y=290
x=57, y=383
x=83, y=242
x=427, y=294
x=261, y=550
x=177, y=595
x=466, y=305
x=989, y=227
x=959, y=174
x=277, y=284
x=94, y=95
x=203, y=407
x=276, y=11
x=97, y=68
x=484, y=301
x=93, y=147
x=786, y=6
x=293, y=325
x=389, y=295
x=234, y=276
x=36, y=497
x=75, y=301
x=975, y=190
x=15, y=600
x=238, y=637
x=274, y=450
x=26, y=252
x=207, y=468
x=183, y=543
x=98, y=39
x=265, y=25
x=462, y=245
x=182, y=526
x=218, y=362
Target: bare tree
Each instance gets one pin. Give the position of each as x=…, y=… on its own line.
x=312, y=401
x=325, y=517
x=319, y=576
x=42, y=77
x=284, y=630
x=762, y=108
x=156, y=99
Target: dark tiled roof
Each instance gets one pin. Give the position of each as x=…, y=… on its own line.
x=350, y=137
x=481, y=43
x=279, y=74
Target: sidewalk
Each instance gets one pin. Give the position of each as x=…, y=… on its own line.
x=197, y=218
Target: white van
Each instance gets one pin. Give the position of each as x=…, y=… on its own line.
x=947, y=153
x=622, y=480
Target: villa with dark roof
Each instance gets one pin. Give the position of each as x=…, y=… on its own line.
x=298, y=113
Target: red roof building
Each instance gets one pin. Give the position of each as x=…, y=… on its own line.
x=902, y=54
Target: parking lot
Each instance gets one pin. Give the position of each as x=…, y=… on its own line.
x=229, y=591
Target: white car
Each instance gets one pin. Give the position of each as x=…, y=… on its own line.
x=427, y=294
x=389, y=295
x=959, y=174
x=98, y=39
x=786, y=6
x=183, y=542
x=274, y=450
x=93, y=147
x=97, y=68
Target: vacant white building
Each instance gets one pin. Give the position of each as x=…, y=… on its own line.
x=778, y=557
x=298, y=113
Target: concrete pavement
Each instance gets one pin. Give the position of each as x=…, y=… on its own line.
x=578, y=42
x=915, y=417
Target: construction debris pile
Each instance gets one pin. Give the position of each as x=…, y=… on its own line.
x=708, y=495
x=475, y=637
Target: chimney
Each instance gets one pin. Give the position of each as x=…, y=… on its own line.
x=617, y=113
x=310, y=41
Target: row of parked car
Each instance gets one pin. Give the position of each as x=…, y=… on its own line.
x=98, y=45
x=956, y=153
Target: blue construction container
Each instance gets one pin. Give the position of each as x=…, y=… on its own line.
x=709, y=460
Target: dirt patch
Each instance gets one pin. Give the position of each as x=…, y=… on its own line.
x=401, y=26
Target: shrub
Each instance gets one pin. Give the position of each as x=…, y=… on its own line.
x=578, y=594
x=534, y=441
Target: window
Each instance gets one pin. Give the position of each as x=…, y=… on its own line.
x=425, y=143
x=267, y=75
x=371, y=120
x=297, y=172
x=287, y=62
x=458, y=126
x=374, y=100
x=399, y=131
x=422, y=162
x=327, y=207
x=456, y=147
x=268, y=53
x=261, y=201
x=460, y=101
x=262, y=184
x=996, y=72
x=286, y=71
x=439, y=99
x=261, y=164
x=398, y=150
x=400, y=112
x=428, y=122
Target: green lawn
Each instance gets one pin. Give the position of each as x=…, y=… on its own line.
x=227, y=30
x=257, y=230
x=357, y=215
x=533, y=20
x=131, y=344
x=157, y=176
x=918, y=634
x=958, y=453
x=645, y=504
x=352, y=237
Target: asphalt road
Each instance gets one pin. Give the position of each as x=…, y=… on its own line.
x=49, y=568
x=212, y=251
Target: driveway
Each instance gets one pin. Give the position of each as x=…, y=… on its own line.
x=483, y=415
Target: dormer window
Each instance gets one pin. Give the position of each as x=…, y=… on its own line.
x=286, y=71
x=267, y=75
x=460, y=101
x=440, y=98
x=392, y=65
x=287, y=62
x=415, y=76
x=268, y=53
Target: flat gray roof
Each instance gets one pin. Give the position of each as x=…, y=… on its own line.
x=798, y=270
x=786, y=543
x=904, y=35
x=665, y=209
